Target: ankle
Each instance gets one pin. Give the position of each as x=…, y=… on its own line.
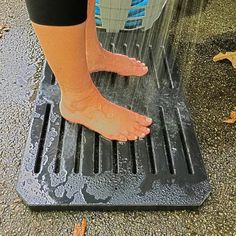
x=94, y=47
x=77, y=98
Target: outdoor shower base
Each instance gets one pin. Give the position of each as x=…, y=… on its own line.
x=67, y=166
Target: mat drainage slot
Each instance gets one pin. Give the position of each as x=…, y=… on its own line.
x=125, y=50
x=184, y=143
x=39, y=155
x=53, y=79
x=96, y=153
x=133, y=157
x=115, y=157
x=138, y=51
x=166, y=141
x=150, y=154
x=167, y=66
x=153, y=65
x=60, y=146
x=78, y=150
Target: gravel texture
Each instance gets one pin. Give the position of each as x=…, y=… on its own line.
x=210, y=92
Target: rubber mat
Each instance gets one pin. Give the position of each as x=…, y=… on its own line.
x=67, y=166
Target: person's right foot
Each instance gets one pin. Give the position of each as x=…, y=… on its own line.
x=106, y=118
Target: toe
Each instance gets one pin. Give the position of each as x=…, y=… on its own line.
x=143, y=120
x=140, y=70
x=144, y=69
x=140, y=64
x=131, y=133
x=142, y=135
x=122, y=138
x=135, y=62
x=132, y=137
x=142, y=130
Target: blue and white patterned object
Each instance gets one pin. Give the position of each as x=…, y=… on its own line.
x=139, y=3
x=115, y=15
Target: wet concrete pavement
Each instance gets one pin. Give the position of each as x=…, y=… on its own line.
x=210, y=91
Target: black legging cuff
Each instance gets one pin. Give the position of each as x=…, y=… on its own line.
x=57, y=12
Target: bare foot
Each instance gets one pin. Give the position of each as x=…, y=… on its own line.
x=103, y=60
x=98, y=114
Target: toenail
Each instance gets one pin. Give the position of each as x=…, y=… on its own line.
x=123, y=139
x=148, y=130
x=142, y=135
x=149, y=119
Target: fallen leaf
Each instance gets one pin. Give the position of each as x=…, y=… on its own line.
x=230, y=121
x=231, y=56
x=3, y=28
x=233, y=115
x=6, y=29
x=79, y=230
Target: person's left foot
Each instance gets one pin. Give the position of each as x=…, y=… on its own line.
x=103, y=60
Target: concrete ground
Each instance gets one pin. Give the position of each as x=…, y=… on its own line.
x=210, y=91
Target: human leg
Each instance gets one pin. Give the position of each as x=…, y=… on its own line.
x=81, y=102
x=100, y=59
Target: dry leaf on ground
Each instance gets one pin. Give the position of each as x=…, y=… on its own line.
x=232, y=119
x=231, y=56
x=79, y=230
x=233, y=115
x=3, y=28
